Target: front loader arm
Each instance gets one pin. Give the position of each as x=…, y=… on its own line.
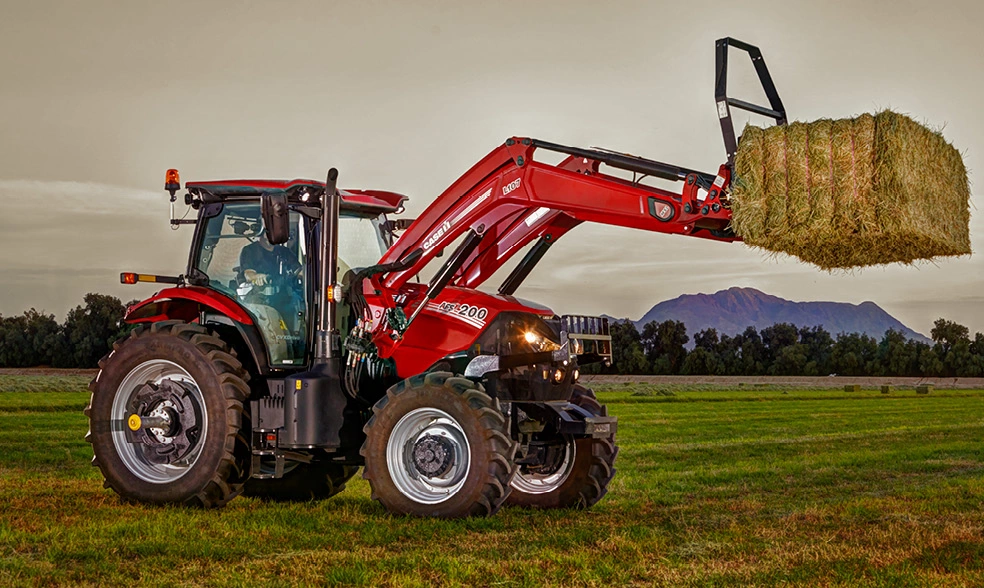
x=543, y=224
x=511, y=199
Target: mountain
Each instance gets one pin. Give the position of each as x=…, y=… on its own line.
x=731, y=311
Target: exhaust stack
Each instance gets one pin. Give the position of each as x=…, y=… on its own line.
x=328, y=345
x=314, y=401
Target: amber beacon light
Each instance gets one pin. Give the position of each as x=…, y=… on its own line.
x=172, y=181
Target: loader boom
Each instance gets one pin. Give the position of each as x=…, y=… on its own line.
x=514, y=199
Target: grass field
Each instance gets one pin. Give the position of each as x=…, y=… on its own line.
x=715, y=487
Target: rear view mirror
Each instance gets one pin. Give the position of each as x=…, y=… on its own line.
x=276, y=217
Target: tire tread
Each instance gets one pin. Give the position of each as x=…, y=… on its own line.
x=229, y=477
x=501, y=468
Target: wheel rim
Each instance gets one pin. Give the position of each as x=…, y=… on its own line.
x=132, y=455
x=428, y=456
x=533, y=483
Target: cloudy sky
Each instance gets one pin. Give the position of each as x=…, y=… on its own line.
x=98, y=98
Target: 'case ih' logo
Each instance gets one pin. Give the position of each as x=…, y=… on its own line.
x=437, y=235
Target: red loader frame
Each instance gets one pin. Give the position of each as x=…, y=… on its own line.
x=508, y=199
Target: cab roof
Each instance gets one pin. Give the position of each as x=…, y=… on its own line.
x=221, y=190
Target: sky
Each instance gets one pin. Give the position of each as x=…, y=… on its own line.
x=98, y=99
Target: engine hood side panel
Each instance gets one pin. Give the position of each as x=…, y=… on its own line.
x=452, y=323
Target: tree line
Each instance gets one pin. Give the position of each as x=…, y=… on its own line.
x=89, y=330
x=787, y=350
x=37, y=339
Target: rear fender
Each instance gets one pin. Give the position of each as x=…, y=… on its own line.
x=185, y=303
x=221, y=313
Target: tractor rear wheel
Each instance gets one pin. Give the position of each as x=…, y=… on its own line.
x=438, y=446
x=582, y=472
x=305, y=481
x=189, y=383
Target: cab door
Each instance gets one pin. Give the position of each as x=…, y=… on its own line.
x=271, y=282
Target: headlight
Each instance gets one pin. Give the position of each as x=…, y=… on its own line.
x=538, y=343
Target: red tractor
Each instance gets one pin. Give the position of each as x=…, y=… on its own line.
x=453, y=401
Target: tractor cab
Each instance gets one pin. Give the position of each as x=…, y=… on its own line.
x=275, y=283
x=234, y=265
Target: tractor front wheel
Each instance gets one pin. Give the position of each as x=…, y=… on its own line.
x=438, y=446
x=166, y=417
x=580, y=474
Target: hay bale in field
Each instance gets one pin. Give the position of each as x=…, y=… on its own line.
x=925, y=389
x=851, y=193
x=887, y=389
x=852, y=388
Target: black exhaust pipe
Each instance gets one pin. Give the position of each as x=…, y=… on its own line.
x=314, y=400
x=327, y=342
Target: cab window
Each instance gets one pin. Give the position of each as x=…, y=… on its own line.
x=269, y=281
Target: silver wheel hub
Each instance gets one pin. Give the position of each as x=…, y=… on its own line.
x=166, y=411
x=163, y=390
x=428, y=455
x=433, y=456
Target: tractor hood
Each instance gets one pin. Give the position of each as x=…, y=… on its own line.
x=451, y=323
x=457, y=301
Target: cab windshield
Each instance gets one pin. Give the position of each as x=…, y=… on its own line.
x=361, y=242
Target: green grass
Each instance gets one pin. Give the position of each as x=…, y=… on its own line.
x=715, y=488
x=43, y=383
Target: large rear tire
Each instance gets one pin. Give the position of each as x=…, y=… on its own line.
x=438, y=446
x=181, y=372
x=583, y=472
x=307, y=481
